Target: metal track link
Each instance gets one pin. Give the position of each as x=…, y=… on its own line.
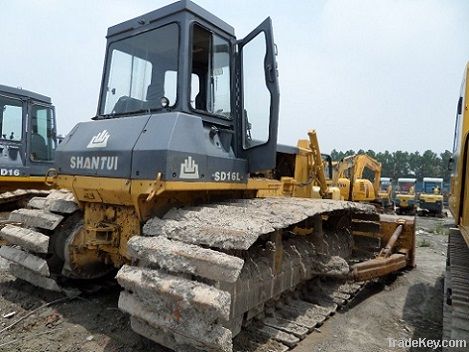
x=292, y=319
x=200, y=274
x=28, y=235
x=456, y=298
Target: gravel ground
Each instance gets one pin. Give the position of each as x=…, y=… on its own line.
x=408, y=305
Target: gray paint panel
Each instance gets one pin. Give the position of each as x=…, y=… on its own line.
x=100, y=148
x=176, y=144
x=173, y=142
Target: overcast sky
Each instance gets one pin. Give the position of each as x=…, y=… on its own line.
x=382, y=75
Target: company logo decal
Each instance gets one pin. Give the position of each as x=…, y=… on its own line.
x=94, y=162
x=100, y=140
x=189, y=169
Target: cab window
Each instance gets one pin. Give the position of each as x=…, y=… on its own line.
x=11, y=119
x=43, y=140
x=211, y=76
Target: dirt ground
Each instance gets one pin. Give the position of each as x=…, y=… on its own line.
x=407, y=305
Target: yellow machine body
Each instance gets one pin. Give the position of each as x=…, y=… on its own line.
x=459, y=189
x=114, y=209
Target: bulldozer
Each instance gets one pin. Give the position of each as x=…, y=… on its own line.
x=406, y=200
x=385, y=193
x=455, y=317
x=431, y=198
x=178, y=184
x=27, y=144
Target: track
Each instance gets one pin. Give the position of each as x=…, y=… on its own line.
x=295, y=316
x=28, y=232
x=202, y=274
x=456, y=305
x=19, y=197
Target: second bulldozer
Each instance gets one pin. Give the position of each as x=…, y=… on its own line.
x=179, y=184
x=28, y=139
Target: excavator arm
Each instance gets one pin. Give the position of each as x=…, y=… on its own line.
x=354, y=166
x=365, y=161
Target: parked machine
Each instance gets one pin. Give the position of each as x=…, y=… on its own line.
x=385, y=193
x=179, y=184
x=431, y=197
x=406, y=199
x=27, y=143
x=349, y=177
x=456, y=318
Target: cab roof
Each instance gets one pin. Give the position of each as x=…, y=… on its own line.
x=21, y=93
x=432, y=179
x=183, y=5
x=407, y=179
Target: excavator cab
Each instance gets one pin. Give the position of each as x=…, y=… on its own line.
x=27, y=138
x=183, y=97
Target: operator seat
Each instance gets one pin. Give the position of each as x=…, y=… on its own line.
x=38, y=147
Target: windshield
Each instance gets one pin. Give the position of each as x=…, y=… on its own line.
x=385, y=185
x=404, y=187
x=140, y=71
x=429, y=186
x=11, y=118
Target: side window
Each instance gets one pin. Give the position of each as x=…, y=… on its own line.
x=43, y=140
x=453, y=165
x=211, y=76
x=458, y=126
x=256, y=95
x=11, y=119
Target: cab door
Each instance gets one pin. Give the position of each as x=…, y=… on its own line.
x=258, y=98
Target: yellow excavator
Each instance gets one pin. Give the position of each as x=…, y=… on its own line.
x=455, y=308
x=179, y=185
x=353, y=187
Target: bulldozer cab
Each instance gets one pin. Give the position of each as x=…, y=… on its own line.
x=27, y=133
x=181, y=62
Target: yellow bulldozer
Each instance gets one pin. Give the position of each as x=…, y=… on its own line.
x=431, y=197
x=456, y=318
x=178, y=185
x=406, y=199
x=28, y=140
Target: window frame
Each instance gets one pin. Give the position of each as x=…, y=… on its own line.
x=31, y=105
x=221, y=118
x=107, y=61
x=23, y=114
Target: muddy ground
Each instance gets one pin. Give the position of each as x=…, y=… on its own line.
x=407, y=305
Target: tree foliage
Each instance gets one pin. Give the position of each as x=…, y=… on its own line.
x=404, y=164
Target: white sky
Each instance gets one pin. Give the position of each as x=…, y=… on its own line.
x=365, y=74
